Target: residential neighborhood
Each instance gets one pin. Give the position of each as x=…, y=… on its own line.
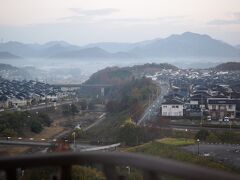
x=19, y=94
x=207, y=94
x=110, y=90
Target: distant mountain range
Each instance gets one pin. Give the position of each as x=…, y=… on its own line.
x=184, y=45
x=7, y=55
x=187, y=45
x=114, y=47
x=92, y=52
x=36, y=50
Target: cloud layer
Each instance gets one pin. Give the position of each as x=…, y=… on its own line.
x=94, y=12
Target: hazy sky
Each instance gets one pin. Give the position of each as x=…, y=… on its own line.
x=87, y=21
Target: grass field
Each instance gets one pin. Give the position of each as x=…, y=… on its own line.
x=176, y=142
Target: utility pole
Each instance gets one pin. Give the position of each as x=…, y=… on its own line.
x=198, y=141
x=74, y=141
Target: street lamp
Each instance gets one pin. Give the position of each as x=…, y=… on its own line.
x=128, y=168
x=198, y=141
x=201, y=117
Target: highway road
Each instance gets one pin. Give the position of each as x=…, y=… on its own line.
x=100, y=119
x=153, y=109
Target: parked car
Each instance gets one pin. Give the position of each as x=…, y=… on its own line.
x=226, y=119
x=209, y=118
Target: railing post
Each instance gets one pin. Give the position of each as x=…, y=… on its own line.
x=11, y=173
x=66, y=173
x=110, y=172
x=150, y=175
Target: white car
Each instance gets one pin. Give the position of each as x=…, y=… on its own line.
x=226, y=119
x=209, y=118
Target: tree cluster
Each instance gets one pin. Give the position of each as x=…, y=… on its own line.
x=216, y=137
x=131, y=96
x=16, y=123
x=70, y=109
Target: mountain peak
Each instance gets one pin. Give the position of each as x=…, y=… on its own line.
x=58, y=43
x=189, y=34
x=188, y=44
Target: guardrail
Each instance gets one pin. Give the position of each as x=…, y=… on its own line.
x=151, y=167
x=112, y=146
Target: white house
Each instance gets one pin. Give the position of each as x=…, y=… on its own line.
x=17, y=102
x=222, y=107
x=52, y=96
x=172, y=108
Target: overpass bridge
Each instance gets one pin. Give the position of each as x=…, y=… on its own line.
x=78, y=147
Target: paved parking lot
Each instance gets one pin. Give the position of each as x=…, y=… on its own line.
x=221, y=152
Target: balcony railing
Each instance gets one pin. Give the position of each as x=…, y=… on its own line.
x=151, y=167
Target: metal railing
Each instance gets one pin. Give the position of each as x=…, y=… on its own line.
x=151, y=167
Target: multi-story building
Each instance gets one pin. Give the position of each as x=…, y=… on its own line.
x=222, y=107
x=172, y=108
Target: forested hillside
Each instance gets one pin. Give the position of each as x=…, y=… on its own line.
x=229, y=66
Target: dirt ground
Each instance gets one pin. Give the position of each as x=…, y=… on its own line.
x=53, y=130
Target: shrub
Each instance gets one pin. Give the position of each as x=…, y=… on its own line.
x=9, y=132
x=227, y=136
x=202, y=134
x=82, y=173
x=129, y=133
x=83, y=105
x=213, y=137
x=45, y=119
x=36, y=127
